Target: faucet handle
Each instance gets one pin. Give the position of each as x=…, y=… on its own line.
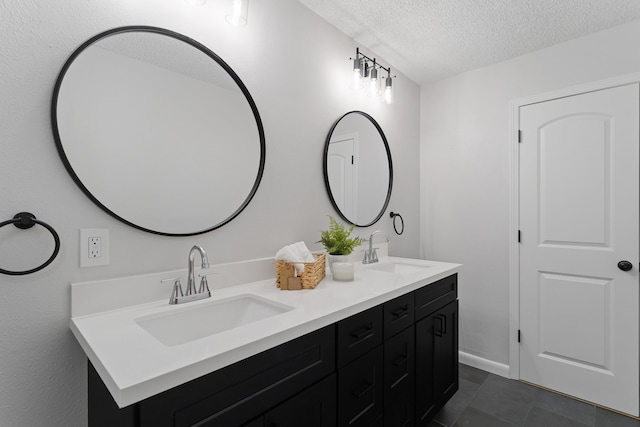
x=177, y=290
x=204, y=285
x=174, y=280
x=373, y=257
x=204, y=272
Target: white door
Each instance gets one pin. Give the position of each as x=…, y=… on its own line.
x=579, y=202
x=341, y=172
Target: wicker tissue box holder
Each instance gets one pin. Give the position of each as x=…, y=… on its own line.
x=312, y=275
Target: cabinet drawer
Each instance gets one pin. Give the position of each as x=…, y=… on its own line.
x=314, y=407
x=238, y=393
x=358, y=334
x=398, y=314
x=360, y=390
x=435, y=295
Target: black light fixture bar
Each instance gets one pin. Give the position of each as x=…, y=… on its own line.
x=360, y=55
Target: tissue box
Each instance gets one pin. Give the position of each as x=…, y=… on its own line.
x=312, y=275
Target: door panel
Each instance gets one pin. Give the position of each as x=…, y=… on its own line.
x=574, y=197
x=579, y=203
x=588, y=325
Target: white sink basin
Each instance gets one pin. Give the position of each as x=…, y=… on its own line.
x=397, y=267
x=184, y=324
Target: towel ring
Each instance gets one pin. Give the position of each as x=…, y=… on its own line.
x=394, y=216
x=23, y=221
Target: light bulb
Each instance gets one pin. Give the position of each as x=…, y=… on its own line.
x=239, y=11
x=373, y=82
x=357, y=73
x=388, y=91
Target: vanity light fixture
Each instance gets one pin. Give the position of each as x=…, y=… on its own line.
x=357, y=72
x=366, y=69
x=239, y=12
x=388, y=90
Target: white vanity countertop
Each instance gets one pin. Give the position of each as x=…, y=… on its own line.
x=134, y=365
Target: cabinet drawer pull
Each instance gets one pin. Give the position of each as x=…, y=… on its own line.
x=362, y=332
x=362, y=390
x=400, y=360
x=401, y=312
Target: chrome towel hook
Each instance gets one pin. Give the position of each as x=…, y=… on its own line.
x=26, y=220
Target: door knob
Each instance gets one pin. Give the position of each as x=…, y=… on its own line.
x=625, y=265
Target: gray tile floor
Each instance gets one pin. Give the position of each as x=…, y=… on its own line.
x=487, y=400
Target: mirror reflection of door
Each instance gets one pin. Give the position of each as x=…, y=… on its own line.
x=359, y=192
x=341, y=166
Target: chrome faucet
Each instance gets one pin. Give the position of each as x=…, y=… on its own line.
x=191, y=287
x=371, y=255
x=177, y=297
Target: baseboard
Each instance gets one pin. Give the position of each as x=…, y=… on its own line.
x=484, y=364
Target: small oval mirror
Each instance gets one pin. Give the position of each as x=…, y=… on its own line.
x=358, y=171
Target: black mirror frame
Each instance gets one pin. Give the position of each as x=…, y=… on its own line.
x=326, y=174
x=203, y=49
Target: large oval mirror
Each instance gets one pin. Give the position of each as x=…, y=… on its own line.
x=158, y=131
x=358, y=171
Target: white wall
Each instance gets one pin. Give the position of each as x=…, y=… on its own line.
x=296, y=67
x=464, y=124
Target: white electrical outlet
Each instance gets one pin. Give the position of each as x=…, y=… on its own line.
x=94, y=247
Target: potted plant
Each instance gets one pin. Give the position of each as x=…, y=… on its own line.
x=338, y=243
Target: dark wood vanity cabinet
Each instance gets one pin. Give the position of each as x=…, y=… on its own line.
x=394, y=365
x=237, y=395
x=360, y=369
x=409, y=370
x=436, y=348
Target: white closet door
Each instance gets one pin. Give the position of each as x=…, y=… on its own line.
x=579, y=203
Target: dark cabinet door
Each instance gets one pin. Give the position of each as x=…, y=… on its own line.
x=399, y=366
x=360, y=390
x=425, y=397
x=436, y=361
x=314, y=407
x=446, y=353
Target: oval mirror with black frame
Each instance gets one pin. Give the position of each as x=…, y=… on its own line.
x=158, y=131
x=358, y=171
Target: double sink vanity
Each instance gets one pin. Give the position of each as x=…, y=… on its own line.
x=381, y=350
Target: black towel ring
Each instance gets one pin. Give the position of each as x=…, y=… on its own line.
x=23, y=221
x=394, y=216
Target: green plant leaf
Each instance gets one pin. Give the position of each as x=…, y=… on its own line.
x=336, y=240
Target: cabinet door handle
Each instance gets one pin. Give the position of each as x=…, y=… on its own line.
x=362, y=390
x=438, y=329
x=444, y=322
x=362, y=332
x=400, y=360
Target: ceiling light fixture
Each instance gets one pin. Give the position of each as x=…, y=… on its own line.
x=365, y=68
x=239, y=12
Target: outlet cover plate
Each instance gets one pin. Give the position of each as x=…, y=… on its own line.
x=85, y=235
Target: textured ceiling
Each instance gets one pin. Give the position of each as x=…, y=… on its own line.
x=432, y=39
